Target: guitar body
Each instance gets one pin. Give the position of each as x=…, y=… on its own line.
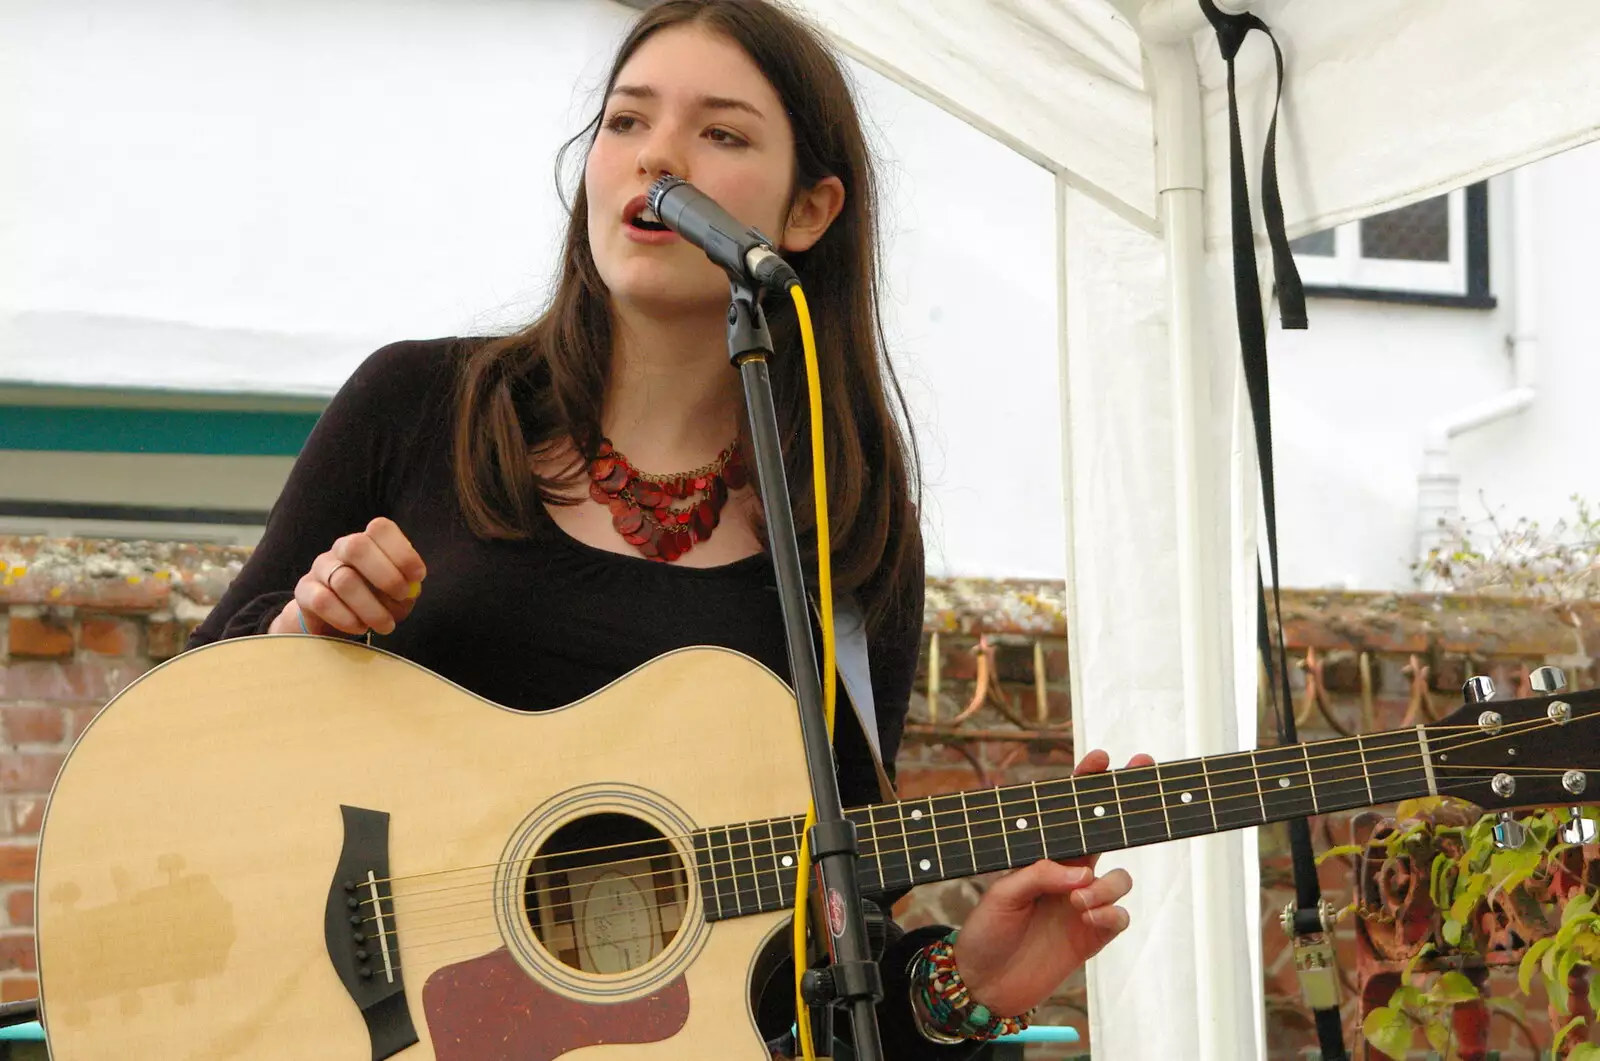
x=189, y=901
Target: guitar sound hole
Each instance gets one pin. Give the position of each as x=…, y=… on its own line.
x=606, y=893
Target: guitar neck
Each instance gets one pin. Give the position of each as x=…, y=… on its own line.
x=749, y=867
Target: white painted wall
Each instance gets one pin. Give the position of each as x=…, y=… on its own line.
x=1354, y=395
x=251, y=195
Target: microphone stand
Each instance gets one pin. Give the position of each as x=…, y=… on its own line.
x=853, y=979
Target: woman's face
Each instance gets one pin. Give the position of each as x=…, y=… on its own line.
x=690, y=102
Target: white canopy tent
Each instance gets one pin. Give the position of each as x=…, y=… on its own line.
x=1385, y=102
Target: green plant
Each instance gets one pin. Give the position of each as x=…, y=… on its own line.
x=1559, y=564
x=1468, y=876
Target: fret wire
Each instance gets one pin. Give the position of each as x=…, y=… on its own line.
x=1362, y=752
x=774, y=860
x=967, y=821
x=933, y=833
x=1038, y=816
x=755, y=870
x=1116, y=796
x=1211, y=803
x=1005, y=834
x=1305, y=753
x=1077, y=812
x=1161, y=789
x=708, y=886
x=1261, y=797
x=905, y=840
x=879, y=863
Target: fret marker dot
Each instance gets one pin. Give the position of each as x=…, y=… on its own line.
x=1283, y=782
x=787, y=861
x=1022, y=823
x=916, y=816
x=1187, y=797
x=924, y=865
x=1099, y=812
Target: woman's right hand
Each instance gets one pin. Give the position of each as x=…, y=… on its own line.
x=368, y=581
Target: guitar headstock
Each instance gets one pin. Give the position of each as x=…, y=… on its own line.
x=1540, y=751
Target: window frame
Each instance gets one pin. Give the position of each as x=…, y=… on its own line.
x=1462, y=282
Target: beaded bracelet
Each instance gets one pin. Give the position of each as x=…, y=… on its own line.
x=946, y=1011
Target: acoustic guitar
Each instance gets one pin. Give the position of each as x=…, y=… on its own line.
x=292, y=847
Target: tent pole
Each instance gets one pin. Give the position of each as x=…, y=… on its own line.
x=1225, y=975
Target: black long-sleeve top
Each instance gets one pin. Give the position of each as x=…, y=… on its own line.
x=542, y=622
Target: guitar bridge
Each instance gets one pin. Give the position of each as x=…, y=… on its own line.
x=361, y=932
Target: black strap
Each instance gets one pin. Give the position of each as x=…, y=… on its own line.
x=1231, y=32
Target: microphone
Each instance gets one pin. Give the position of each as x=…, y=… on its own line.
x=742, y=251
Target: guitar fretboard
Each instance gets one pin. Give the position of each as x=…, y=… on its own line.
x=748, y=867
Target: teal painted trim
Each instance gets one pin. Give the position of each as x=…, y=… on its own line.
x=82, y=429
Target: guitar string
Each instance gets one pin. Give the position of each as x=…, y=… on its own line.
x=754, y=849
x=1456, y=745
x=755, y=892
x=1205, y=775
x=414, y=948
x=902, y=819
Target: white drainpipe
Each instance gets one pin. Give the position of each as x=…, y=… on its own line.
x=1439, y=485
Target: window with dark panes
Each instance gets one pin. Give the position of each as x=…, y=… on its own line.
x=1433, y=251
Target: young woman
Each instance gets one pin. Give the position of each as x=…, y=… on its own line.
x=505, y=512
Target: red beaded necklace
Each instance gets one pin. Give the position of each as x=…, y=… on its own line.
x=663, y=516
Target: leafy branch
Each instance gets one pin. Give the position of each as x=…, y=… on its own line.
x=1559, y=564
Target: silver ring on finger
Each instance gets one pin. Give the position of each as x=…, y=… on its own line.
x=327, y=579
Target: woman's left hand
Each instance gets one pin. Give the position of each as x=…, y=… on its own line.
x=1036, y=926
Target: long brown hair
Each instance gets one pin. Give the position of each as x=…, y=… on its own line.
x=525, y=392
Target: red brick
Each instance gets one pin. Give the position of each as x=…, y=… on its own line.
x=165, y=638
x=95, y=679
x=26, y=815
x=18, y=988
x=19, y=908
x=927, y=782
x=29, y=771
x=1056, y=667
x=109, y=637
x=17, y=862
x=39, y=637
x=1057, y=703
x=33, y=725
x=79, y=718
x=957, y=662
x=16, y=952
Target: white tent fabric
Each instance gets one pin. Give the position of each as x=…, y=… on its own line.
x=1386, y=102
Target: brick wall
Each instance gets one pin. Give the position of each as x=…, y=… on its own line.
x=79, y=620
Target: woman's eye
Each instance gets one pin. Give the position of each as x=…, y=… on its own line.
x=620, y=123
x=723, y=136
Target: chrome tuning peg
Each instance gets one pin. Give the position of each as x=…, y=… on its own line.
x=1547, y=680
x=1478, y=689
x=1577, y=829
x=1509, y=833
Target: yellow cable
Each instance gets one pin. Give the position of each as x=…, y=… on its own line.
x=819, y=485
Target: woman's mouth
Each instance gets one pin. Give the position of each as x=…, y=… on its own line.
x=642, y=225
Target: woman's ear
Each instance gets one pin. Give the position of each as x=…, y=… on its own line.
x=813, y=211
